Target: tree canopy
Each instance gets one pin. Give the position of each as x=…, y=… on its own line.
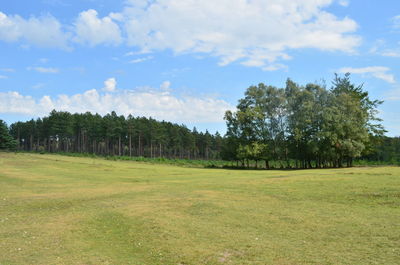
x=311, y=125
x=113, y=134
x=6, y=140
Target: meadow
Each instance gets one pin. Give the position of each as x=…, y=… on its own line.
x=74, y=210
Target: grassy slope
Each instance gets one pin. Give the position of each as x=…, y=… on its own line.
x=66, y=210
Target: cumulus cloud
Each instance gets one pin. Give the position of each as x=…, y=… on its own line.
x=13, y=102
x=88, y=29
x=92, y=30
x=110, y=85
x=44, y=70
x=256, y=33
x=379, y=72
x=157, y=103
x=15, y=28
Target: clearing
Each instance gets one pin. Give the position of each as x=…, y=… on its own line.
x=65, y=210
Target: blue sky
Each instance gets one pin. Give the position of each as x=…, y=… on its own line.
x=189, y=61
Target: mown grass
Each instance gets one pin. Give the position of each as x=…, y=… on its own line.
x=68, y=210
x=212, y=163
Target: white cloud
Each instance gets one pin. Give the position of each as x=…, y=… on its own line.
x=391, y=53
x=13, y=102
x=140, y=60
x=141, y=52
x=396, y=22
x=380, y=47
x=254, y=33
x=165, y=85
x=92, y=30
x=275, y=67
x=44, y=60
x=257, y=33
x=44, y=70
x=9, y=70
x=129, y=54
x=110, y=85
x=44, y=31
x=38, y=85
x=379, y=72
x=377, y=46
x=47, y=31
x=3, y=77
x=159, y=104
x=344, y=3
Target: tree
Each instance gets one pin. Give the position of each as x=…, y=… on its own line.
x=353, y=116
x=314, y=126
x=6, y=140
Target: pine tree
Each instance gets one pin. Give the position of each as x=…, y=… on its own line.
x=6, y=140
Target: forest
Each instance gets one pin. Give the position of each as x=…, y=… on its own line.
x=114, y=135
x=296, y=126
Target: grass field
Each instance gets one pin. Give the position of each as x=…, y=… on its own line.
x=66, y=210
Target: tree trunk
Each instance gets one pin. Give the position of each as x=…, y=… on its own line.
x=78, y=142
x=130, y=145
x=31, y=142
x=18, y=140
x=139, y=149
x=119, y=145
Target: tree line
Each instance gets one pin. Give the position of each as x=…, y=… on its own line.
x=307, y=126
x=114, y=135
x=296, y=126
x=385, y=149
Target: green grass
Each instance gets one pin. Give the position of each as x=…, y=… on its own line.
x=69, y=210
x=211, y=163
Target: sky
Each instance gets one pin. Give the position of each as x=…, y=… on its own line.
x=189, y=61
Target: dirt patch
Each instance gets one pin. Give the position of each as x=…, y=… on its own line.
x=227, y=255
